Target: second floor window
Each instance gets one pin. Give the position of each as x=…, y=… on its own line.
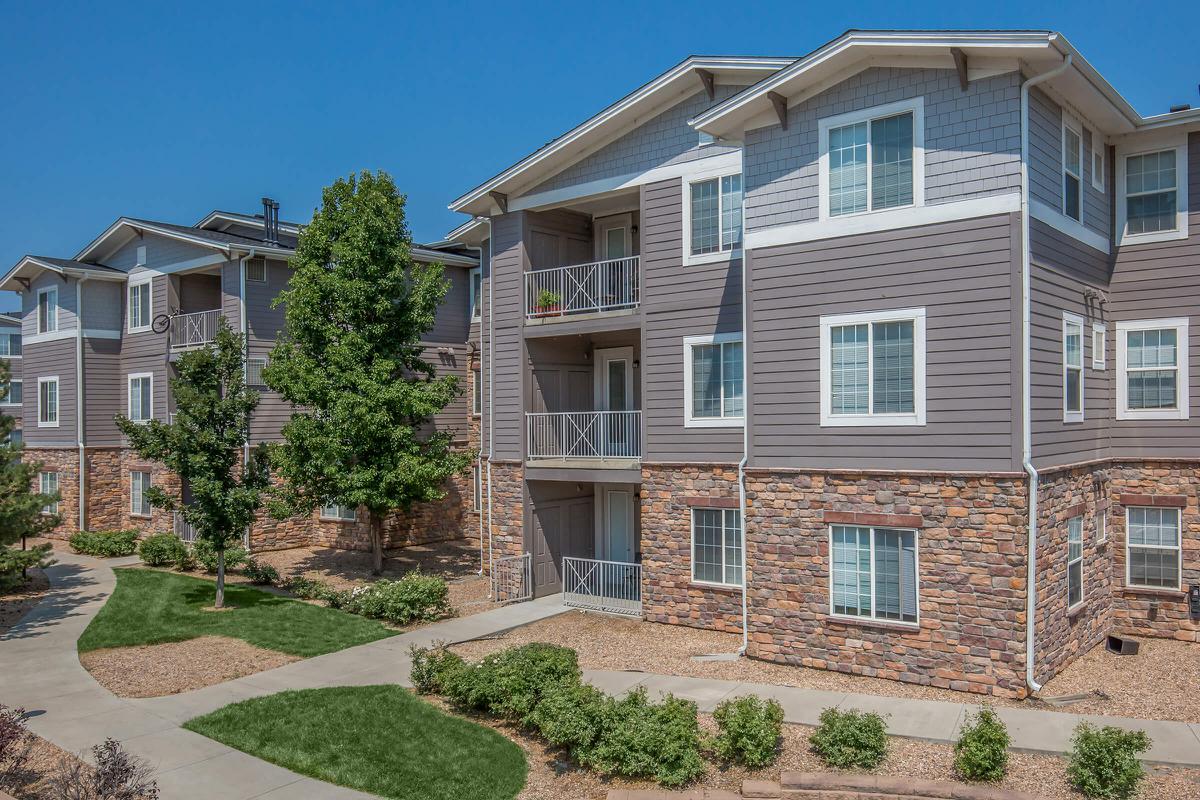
x=141, y=397
x=1151, y=193
x=715, y=209
x=47, y=310
x=1072, y=154
x=1072, y=368
x=476, y=296
x=48, y=402
x=1152, y=374
x=869, y=161
x=714, y=393
x=10, y=345
x=873, y=368
x=139, y=307
x=13, y=395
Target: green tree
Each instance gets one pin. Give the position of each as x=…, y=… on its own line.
x=20, y=506
x=350, y=358
x=203, y=446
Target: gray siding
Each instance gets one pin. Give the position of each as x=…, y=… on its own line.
x=972, y=141
x=105, y=391
x=1045, y=164
x=264, y=324
x=161, y=252
x=508, y=265
x=51, y=358
x=453, y=320
x=103, y=305
x=962, y=273
x=1069, y=255
x=15, y=367
x=141, y=352
x=66, y=303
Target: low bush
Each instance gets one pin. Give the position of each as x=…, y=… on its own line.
x=260, y=573
x=14, y=562
x=510, y=683
x=162, y=549
x=433, y=668
x=15, y=745
x=305, y=588
x=640, y=739
x=1103, y=762
x=206, y=555
x=572, y=715
x=104, y=544
x=848, y=739
x=981, y=752
x=116, y=775
x=412, y=598
x=750, y=731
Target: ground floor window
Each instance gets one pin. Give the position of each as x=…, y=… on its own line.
x=874, y=572
x=477, y=493
x=48, y=484
x=1152, y=547
x=139, y=504
x=338, y=512
x=717, y=546
x=1074, y=561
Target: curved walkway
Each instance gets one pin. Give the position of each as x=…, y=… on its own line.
x=41, y=671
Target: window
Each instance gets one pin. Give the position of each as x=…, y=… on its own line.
x=139, y=482
x=715, y=214
x=476, y=294
x=1099, y=346
x=139, y=306
x=13, y=395
x=141, y=255
x=254, y=371
x=48, y=402
x=10, y=345
x=1101, y=526
x=476, y=391
x=874, y=573
x=1150, y=194
x=1072, y=160
x=47, y=310
x=1152, y=373
x=705, y=138
x=256, y=270
x=717, y=546
x=477, y=494
x=16, y=437
x=141, y=397
x=872, y=160
x=1072, y=368
x=712, y=380
x=1152, y=545
x=1098, y=161
x=1074, y=561
x=338, y=512
x=873, y=368
x=48, y=485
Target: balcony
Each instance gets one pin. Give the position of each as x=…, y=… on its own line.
x=595, y=288
x=193, y=330
x=588, y=437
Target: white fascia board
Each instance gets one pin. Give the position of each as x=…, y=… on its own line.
x=1064, y=224
x=449, y=259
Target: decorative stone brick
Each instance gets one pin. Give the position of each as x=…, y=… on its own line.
x=66, y=463
x=508, y=507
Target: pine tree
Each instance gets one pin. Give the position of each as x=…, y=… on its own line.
x=20, y=506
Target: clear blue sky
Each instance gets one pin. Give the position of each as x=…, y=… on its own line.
x=167, y=111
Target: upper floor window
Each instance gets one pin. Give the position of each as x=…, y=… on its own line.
x=1074, y=561
x=873, y=573
x=48, y=402
x=1072, y=160
x=139, y=306
x=141, y=397
x=1152, y=369
x=10, y=345
x=1098, y=161
x=872, y=160
x=1151, y=194
x=12, y=395
x=1072, y=368
x=476, y=295
x=715, y=215
x=717, y=546
x=254, y=371
x=1099, y=346
x=1152, y=548
x=47, y=310
x=873, y=368
x=712, y=380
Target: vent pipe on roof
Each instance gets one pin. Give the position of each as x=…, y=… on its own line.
x=270, y=221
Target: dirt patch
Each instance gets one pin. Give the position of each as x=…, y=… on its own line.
x=161, y=669
x=33, y=783
x=16, y=603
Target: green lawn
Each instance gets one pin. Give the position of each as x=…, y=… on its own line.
x=152, y=607
x=377, y=739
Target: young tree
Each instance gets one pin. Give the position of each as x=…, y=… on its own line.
x=350, y=359
x=204, y=444
x=20, y=506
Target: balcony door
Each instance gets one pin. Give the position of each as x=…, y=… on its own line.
x=614, y=237
x=616, y=523
x=613, y=382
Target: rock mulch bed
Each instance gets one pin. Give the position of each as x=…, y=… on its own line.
x=162, y=669
x=16, y=603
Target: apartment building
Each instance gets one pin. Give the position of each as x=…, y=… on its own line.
x=878, y=356
x=10, y=353
x=100, y=334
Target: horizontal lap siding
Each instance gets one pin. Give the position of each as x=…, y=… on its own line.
x=452, y=322
x=50, y=358
x=508, y=265
x=144, y=352
x=680, y=301
x=961, y=274
x=264, y=325
x=1068, y=255
x=104, y=391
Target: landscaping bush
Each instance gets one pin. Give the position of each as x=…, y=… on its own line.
x=981, y=752
x=571, y=715
x=306, y=588
x=510, y=683
x=260, y=573
x=847, y=739
x=433, y=667
x=14, y=562
x=649, y=740
x=750, y=731
x=1103, y=762
x=15, y=745
x=117, y=775
x=162, y=549
x=413, y=598
x=206, y=555
x=104, y=544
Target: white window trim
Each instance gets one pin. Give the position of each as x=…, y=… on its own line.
x=917, y=106
x=339, y=517
x=874, y=605
x=52, y=508
x=1071, y=124
x=477, y=392
x=690, y=421
x=1098, y=148
x=262, y=361
x=21, y=383
x=1099, y=348
x=134, y=283
x=1181, y=194
x=1082, y=584
x=133, y=511
x=129, y=379
x=477, y=488
x=831, y=420
x=1101, y=526
x=471, y=273
x=1178, y=548
x=9, y=335
x=266, y=272
x=692, y=548
x=37, y=310
x=57, y=401
x=1180, y=324
x=1076, y=320
x=699, y=176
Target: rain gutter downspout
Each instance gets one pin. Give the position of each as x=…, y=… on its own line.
x=491, y=414
x=79, y=410
x=245, y=326
x=479, y=456
x=1026, y=414
x=745, y=438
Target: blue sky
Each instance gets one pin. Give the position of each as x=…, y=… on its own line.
x=167, y=111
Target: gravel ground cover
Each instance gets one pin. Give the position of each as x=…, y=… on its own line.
x=44, y=761
x=16, y=603
x=160, y=669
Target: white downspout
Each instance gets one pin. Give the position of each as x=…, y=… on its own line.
x=479, y=456
x=1026, y=370
x=491, y=414
x=745, y=437
x=245, y=326
x=79, y=410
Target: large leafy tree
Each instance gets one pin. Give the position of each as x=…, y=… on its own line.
x=204, y=443
x=20, y=506
x=350, y=360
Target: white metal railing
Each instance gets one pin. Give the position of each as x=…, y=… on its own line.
x=193, y=330
x=585, y=434
x=612, y=586
x=512, y=578
x=610, y=285
x=184, y=530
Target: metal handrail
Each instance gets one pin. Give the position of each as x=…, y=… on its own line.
x=585, y=434
x=611, y=586
x=193, y=330
x=596, y=286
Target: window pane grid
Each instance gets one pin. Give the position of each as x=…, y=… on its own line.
x=872, y=368
x=1074, y=560
x=1151, y=192
x=706, y=232
x=870, y=165
x=139, y=482
x=717, y=380
x=892, y=368
x=850, y=369
x=1152, y=369
x=716, y=546
x=874, y=573
x=892, y=161
x=1152, y=543
x=848, y=169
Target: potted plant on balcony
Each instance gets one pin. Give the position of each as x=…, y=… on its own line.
x=547, y=304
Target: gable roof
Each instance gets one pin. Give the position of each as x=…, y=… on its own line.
x=219, y=220
x=17, y=278
x=227, y=243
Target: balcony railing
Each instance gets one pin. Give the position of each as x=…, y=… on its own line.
x=611, y=586
x=193, y=330
x=612, y=285
x=597, y=435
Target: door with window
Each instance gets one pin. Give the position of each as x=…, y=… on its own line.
x=614, y=244
x=613, y=383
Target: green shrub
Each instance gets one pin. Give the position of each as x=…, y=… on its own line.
x=571, y=715
x=162, y=549
x=305, y=588
x=847, y=739
x=104, y=544
x=640, y=739
x=260, y=573
x=413, y=598
x=1103, y=762
x=206, y=555
x=750, y=731
x=14, y=562
x=981, y=752
x=433, y=667
x=510, y=683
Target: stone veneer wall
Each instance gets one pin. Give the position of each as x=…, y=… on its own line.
x=508, y=508
x=110, y=490
x=66, y=463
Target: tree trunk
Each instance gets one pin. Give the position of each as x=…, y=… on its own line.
x=220, y=579
x=376, y=544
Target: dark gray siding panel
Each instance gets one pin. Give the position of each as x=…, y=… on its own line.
x=452, y=323
x=508, y=265
x=104, y=390
x=44, y=359
x=961, y=274
x=264, y=322
x=1045, y=164
x=145, y=352
x=1067, y=254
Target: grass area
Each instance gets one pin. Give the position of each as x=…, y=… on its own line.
x=152, y=607
x=377, y=739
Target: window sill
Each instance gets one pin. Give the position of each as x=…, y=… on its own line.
x=723, y=588
x=140, y=329
x=140, y=516
x=711, y=258
x=1074, y=611
x=338, y=519
x=906, y=420
x=47, y=424
x=1137, y=414
x=866, y=622
x=715, y=422
x=1150, y=238
x=1150, y=591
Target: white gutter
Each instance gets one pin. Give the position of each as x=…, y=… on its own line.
x=1026, y=370
x=491, y=414
x=79, y=411
x=245, y=343
x=745, y=440
x=479, y=455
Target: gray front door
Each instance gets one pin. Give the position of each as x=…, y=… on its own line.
x=560, y=528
